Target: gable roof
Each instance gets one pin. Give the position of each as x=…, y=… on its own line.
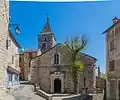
x=89, y=56
x=62, y=44
x=46, y=51
x=111, y=26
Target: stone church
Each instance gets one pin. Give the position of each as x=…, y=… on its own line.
x=49, y=68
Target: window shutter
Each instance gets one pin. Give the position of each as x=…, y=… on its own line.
x=112, y=65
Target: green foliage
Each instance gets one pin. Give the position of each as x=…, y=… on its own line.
x=103, y=76
x=76, y=68
x=76, y=44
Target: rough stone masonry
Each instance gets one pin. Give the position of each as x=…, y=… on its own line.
x=4, y=15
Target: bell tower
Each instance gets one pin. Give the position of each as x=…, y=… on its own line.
x=46, y=38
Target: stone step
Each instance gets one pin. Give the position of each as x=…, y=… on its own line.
x=25, y=82
x=44, y=94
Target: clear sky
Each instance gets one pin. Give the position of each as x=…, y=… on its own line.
x=66, y=19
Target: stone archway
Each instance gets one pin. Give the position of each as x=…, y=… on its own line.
x=57, y=85
x=57, y=82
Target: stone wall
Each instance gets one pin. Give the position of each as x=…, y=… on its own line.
x=21, y=64
x=113, y=33
x=42, y=67
x=4, y=14
x=78, y=97
x=26, y=63
x=100, y=83
x=13, y=55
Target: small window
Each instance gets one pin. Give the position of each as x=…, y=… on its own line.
x=112, y=33
x=44, y=46
x=7, y=44
x=45, y=39
x=56, y=58
x=20, y=59
x=12, y=59
x=10, y=77
x=111, y=45
x=112, y=65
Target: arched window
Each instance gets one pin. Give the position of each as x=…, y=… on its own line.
x=43, y=46
x=56, y=58
x=45, y=39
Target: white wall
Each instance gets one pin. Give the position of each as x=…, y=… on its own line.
x=13, y=51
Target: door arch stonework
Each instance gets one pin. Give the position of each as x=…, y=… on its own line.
x=57, y=79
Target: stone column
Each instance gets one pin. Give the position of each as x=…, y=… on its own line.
x=62, y=83
x=13, y=80
x=52, y=84
x=117, y=90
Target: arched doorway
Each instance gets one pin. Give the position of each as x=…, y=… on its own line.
x=57, y=85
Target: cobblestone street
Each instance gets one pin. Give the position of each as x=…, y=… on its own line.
x=24, y=92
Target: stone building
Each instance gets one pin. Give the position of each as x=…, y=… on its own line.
x=50, y=68
x=112, y=35
x=13, y=61
x=21, y=63
x=100, y=80
x=4, y=14
x=100, y=83
x=24, y=59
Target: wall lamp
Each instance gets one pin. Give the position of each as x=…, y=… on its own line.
x=16, y=26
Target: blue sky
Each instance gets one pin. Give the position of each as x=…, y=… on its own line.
x=66, y=19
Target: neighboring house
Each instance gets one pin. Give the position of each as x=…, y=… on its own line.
x=13, y=61
x=50, y=68
x=21, y=62
x=24, y=59
x=100, y=80
x=4, y=15
x=113, y=60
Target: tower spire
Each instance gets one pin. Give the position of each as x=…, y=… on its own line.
x=47, y=18
x=47, y=26
x=46, y=38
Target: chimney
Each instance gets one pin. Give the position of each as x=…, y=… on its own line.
x=115, y=19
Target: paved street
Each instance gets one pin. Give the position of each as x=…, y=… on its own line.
x=25, y=92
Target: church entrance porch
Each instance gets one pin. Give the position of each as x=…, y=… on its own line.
x=57, y=82
x=57, y=85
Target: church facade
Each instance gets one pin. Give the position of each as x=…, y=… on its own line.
x=50, y=68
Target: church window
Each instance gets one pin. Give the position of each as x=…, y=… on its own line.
x=56, y=58
x=44, y=46
x=45, y=39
